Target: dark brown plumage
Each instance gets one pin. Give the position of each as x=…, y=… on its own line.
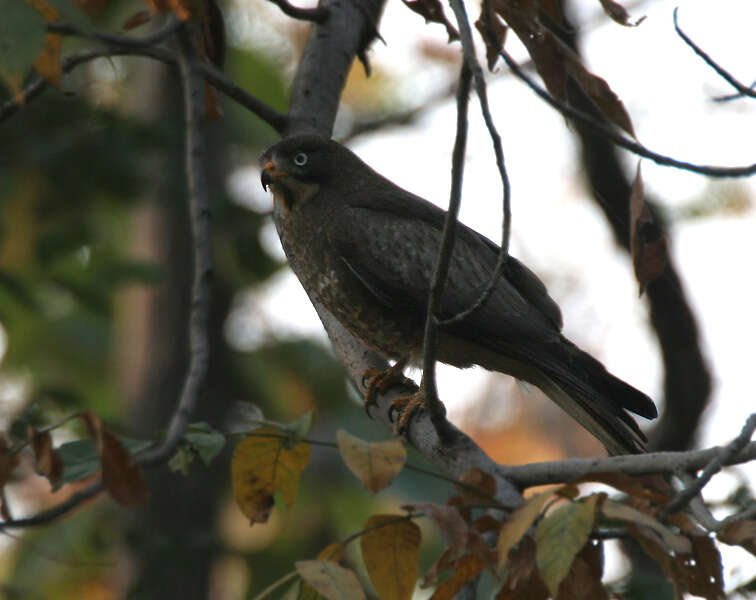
x=367, y=250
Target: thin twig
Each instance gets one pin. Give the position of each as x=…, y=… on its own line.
x=748, y=513
x=199, y=210
x=315, y=15
x=612, y=135
x=468, y=49
x=722, y=458
x=112, y=39
x=51, y=514
x=268, y=114
x=433, y=404
x=742, y=89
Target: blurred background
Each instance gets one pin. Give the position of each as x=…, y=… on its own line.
x=95, y=265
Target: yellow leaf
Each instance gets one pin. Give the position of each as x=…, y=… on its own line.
x=518, y=524
x=374, y=463
x=48, y=61
x=330, y=580
x=560, y=536
x=262, y=466
x=390, y=553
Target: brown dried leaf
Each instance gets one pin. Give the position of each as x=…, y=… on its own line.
x=618, y=13
x=494, y=39
x=582, y=582
x=479, y=480
x=433, y=11
x=375, y=464
x=486, y=523
x=47, y=460
x=121, y=476
x=391, y=554
x=138, y=18
x=519, y=522
x=8, y=463
x=701, y=571
x=627, y=514
x=645, y=488
x=648, y=245
x=453, y=527
x=522, y=579
x=598, y=91
x=467, y=568
x=740, y=533
x=459, y=503
x=560, y=536
x=92, y=7
x=444, y=563
x=262, y=466
x=331, y=580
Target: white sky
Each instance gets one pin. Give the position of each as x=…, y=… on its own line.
x=556, y=229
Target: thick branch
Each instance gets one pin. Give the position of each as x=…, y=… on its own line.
x=199, y=212
x=317, y=88
x=637, y=464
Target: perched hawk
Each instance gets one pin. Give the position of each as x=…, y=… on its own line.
x=367, y=249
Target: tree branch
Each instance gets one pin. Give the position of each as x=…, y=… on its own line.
x=712, y=468
x=212, y=74
x=199, y=212
x=637, y=464
x=315, y=15
x=606, y=131
x=430, y=346
x=468, y=49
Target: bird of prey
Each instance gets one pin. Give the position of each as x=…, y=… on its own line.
x=367, y=250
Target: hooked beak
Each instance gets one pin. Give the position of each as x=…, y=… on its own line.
x=270, y=173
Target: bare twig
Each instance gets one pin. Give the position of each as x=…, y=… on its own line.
x=112, y=39
x=742, y=89
x=712, y=468
x=49, y=515
x=268, y=114
x=480, y=89
x=637, y=464
x=433, y=404
x=315, y=15
x=606, y=131
x=199, y=210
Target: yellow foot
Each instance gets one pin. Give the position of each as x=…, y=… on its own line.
x=406, y=407
x=378, y=382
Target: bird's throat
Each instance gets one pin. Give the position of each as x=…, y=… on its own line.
x=293, y=193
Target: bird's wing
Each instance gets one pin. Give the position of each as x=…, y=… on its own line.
x=394, y=257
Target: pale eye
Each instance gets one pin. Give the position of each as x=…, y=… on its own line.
x=300, y=159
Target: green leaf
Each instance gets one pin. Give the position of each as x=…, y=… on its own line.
x=200, y=441
x=206, y=441
x=301, y=427
x=22, y=35
x=81, y=459
x=560, y=536
x=244, y=417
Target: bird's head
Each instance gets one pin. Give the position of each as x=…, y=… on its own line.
x=296, y=167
